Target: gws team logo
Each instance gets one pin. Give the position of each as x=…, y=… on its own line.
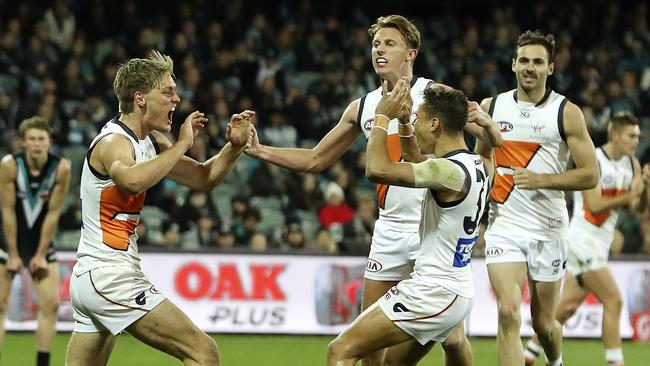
x=373, y=266
x=505, y=126
x=493, y=252
x=367, y=125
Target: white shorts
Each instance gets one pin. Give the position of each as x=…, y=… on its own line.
x=546, y=259
x=392, y=254
x=111, y=299
x=586, y=253
x=425, y=311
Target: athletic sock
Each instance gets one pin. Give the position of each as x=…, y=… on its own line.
x=557, y=362
x=532, y=351
x=614, y=356
x=42, y=358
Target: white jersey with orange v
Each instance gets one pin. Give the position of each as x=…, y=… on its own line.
x=109, y=215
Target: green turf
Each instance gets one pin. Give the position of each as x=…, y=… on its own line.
x=244, y=350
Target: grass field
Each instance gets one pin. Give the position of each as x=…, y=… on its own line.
x=251, y=350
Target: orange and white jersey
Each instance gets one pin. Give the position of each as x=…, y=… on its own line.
x=534, y=138
x=109, y=215
x=449, y=230
x=399, y=207
x=615, y=179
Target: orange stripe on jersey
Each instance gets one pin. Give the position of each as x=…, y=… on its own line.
x=598, y=219
x=116, y=231
x=395, y=154
x=512, y=154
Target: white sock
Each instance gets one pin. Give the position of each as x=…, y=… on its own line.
x=533, y=350
x=614, y=356
x=557, y=362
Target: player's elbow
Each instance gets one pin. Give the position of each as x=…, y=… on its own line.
x=375, y=173
x=132, y=187
x=591, y=179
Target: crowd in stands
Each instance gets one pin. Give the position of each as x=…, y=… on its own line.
x=297, y=64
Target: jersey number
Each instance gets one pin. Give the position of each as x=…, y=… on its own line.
x=465, y=246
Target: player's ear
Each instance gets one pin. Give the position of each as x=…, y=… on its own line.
x=138, y=98
x=551, y=68
x=413, y=52
x=512, y=67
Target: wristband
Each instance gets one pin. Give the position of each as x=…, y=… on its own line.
x=406, y=136
x=380, y=127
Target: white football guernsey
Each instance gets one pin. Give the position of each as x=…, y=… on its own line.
x=615, y=179
x=449, y=230
x=109, y=215
x=534, y=138
x=399, y=207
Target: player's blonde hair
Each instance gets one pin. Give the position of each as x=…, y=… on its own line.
x=35, y=122
x=406, y=29
x=141, y=75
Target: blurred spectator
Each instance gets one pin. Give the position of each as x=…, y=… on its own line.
x=245, y=230
x=335, y=211
x=226, y=239
x=324, y=243
x=293, y=237
x=258, y=243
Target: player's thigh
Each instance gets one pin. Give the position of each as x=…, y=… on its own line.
x=507, y=280
x=371, y=331
x=89, y=349
x=46, y=284
x=544, y=299
x=6, y=277
x=602, y=283
x=373, y=290
x=168, y=329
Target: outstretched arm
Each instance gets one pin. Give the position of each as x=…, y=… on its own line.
x=481, y=125
x=321, y=157
x=207, y=175
x=584, y=176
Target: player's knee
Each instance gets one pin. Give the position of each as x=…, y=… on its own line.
x=3, y=307
x=509, y=315
x=613, y=303
x=566, y=311
x=544, y=328
x=206, y=350
x=337, y=349
x=455, y=344
x=50, y=307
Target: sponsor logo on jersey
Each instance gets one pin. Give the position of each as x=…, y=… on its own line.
x=373, y=266
x=555, y=223
x=538, y=127
x=493, y=252
x=505, y=126
x=556, y=263
x=524, y=114
x=394, y=291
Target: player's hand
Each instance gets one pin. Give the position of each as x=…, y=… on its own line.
x=645, y=172
x=476, y=115
x=14, y=264
x=392, y=104
x=238, y=130
x=37, y=263
x=190, y=128
x=525, y=179
x=253, y=146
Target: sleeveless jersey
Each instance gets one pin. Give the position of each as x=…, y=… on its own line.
x=110, y=216
x=533, y=137
x=615, y=179
x=32, y=198
x=449, y=230
x=399, y=207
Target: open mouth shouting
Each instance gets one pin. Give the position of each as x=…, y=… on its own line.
x=381, y=61
x=169, y=115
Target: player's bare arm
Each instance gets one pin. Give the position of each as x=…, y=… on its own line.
x=481, y=125
x=329, y=149
x=113, y=156
x=407, y=140
x=584, y=176
x=8, y=171
x=207, y=175
x=51, y=220
x=439, y=174
x=640, y=189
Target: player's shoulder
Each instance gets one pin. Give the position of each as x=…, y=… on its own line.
x=8, y=167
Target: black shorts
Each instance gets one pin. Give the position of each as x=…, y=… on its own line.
x=50, y=256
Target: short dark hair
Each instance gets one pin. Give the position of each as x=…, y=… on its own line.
x=537, y=37
x=621, y=119
x=447, y=104
x=36, y=122
x=406, y=28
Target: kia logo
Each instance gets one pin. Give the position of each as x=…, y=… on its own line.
x=493, y=252
x=505, y=126
x=373, y=266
